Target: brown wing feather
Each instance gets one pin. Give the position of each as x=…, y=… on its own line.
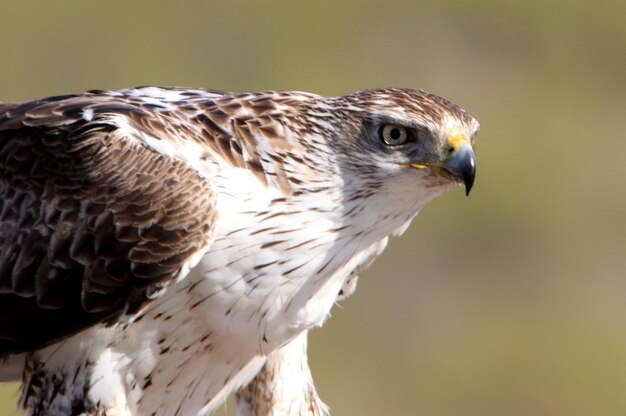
x=91, y=222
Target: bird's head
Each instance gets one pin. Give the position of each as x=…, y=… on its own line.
x=408, y=137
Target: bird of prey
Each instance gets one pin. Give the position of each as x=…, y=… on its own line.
x=163, y=248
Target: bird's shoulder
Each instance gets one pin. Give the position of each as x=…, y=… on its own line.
x=101, y=207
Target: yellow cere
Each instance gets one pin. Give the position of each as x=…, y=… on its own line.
x=456, y=138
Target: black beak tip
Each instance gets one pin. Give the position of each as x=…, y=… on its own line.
x=468, y=180
x=468, y=187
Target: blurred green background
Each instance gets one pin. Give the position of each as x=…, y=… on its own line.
x=510, y=302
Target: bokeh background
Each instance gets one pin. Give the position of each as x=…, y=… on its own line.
x=510, y=302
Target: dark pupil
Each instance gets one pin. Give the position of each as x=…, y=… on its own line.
x=395, y=134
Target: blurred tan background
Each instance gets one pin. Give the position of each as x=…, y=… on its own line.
x=510, y=302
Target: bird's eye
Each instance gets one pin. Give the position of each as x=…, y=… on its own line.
x=394, y=135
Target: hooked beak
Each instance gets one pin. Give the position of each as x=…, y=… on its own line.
x=462, y=161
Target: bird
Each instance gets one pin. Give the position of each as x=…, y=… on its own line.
x=164, y=248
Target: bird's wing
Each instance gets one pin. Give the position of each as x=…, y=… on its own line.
x=97, y=214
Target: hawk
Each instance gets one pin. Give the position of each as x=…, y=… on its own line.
x=162, y=248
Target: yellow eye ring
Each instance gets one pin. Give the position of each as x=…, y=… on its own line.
x=394, y=135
